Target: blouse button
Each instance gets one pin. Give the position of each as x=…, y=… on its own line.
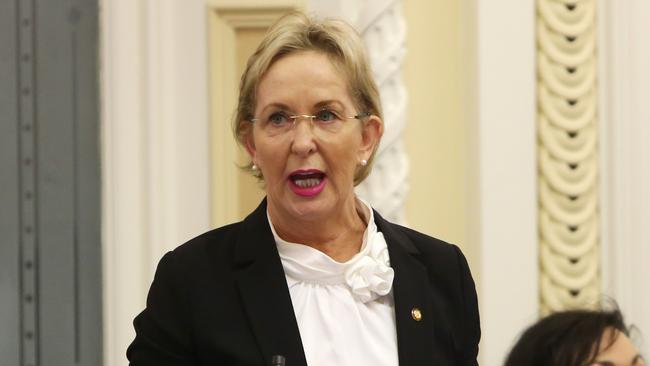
x=416, y=314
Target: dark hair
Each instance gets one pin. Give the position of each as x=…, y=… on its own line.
x=569, y=338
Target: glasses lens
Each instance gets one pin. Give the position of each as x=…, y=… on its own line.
x=328, y=121
x=324, y=122
x=276, y=123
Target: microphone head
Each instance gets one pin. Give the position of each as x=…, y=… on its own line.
x=278, y=360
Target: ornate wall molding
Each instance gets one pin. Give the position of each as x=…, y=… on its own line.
x=568, y=162
x=383, y=30
x=384, y=33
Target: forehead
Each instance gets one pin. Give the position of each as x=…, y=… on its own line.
x=621, y=352
x=306, y=76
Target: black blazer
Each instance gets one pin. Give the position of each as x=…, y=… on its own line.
x=222, y=299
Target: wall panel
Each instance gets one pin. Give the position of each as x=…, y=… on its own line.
x=235, y=193
x=436, y=135
x=10, y=261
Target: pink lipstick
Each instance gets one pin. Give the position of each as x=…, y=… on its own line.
x=307, y=182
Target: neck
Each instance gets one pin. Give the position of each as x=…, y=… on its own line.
x=338, y=235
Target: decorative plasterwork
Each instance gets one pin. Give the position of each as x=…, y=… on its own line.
x=384, y=33
x=568, y=154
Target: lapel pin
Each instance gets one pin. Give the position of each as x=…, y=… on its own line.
x=416, y=314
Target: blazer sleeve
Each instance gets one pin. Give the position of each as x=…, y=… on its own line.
x=162, y=333
x=470, y=315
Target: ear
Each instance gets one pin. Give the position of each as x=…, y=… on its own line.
x=371, y=133
x=249, y=144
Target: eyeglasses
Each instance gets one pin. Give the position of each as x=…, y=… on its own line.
x=326, y=121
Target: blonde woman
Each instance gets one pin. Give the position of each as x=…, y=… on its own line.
x=314, y=276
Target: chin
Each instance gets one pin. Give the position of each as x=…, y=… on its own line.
x=309, y=209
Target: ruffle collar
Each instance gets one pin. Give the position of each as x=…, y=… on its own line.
x=368, y=274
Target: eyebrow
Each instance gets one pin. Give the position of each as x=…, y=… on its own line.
x=329, y=102
x=276, y=105
x=321, y=104
x=610, y=363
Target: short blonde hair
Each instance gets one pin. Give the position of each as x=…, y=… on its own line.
x=297, y=32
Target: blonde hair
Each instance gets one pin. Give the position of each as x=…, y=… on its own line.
x=297, y=32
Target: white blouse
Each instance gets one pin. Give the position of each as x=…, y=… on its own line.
x=345, y=311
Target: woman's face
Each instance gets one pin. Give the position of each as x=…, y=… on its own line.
x=308, y=167
x=620, y=353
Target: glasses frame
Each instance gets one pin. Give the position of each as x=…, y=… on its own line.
x=295, y=117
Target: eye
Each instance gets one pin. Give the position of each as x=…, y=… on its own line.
x=278, y=118
x=326, y=115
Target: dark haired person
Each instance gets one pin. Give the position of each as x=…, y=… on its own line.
x=576, y=338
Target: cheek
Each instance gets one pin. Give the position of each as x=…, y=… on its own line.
x=272, y=159
x=344, y=158
x=351, y=146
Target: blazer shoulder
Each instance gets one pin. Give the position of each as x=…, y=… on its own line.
x=227, y=241
x=213, y=244
x=442, y=259
x=427, y=244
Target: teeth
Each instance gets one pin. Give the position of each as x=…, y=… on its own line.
x=307, y=183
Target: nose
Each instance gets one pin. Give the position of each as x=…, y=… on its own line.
x=303, y=142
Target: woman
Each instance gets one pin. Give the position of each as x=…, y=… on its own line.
x=314, y=275
x=576, y=338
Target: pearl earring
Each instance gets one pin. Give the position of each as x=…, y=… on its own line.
x=254, y=167
x=363, y=162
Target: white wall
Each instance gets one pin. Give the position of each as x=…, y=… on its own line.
x=154, y=148
x=501, y=92
x=625, y=130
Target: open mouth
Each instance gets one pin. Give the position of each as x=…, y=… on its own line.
x=307, y=179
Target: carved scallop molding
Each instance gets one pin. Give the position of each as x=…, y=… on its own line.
x=569, y=227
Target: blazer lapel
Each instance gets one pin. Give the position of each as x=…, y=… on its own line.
x=416, y=313
x=264, y=292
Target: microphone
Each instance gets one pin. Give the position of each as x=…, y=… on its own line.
x=278, y=360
